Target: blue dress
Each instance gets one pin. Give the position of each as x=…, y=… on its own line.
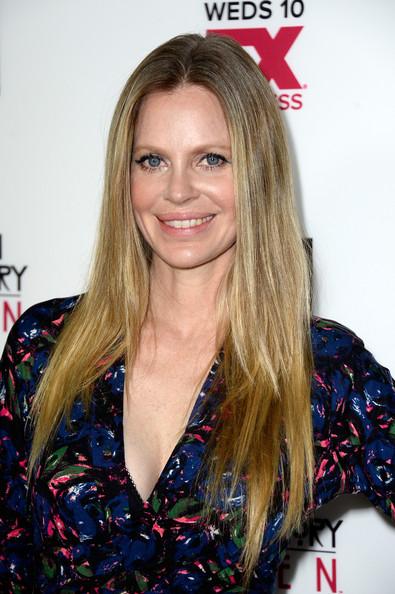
x=83, y=526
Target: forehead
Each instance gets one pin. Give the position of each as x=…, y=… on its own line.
x=189, y=110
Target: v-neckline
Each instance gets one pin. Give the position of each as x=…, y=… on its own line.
x=205, y=386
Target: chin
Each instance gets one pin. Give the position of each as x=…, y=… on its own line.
x=191, y=261
x=184, y=263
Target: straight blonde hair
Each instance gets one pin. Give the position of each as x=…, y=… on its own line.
x=264, y=430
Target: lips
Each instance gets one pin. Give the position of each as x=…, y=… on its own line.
x=187, y=223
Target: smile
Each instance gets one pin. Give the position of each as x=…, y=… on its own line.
x=187, y=223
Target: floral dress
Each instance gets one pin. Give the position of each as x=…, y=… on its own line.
x=82, y=526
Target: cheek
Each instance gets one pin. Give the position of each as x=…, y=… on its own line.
x=228, y=199
x=222, y=192
x=138, y=194
x=140, y=197
x=144, y=199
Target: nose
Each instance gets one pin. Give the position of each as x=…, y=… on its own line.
x=181, y=185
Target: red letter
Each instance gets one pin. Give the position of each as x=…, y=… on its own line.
x=283, y=101
x=9, y=314
x=280, y=576
x=272, y=51
x=331, y=581
x=297, y=101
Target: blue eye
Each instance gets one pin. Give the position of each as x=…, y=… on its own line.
x=153, y=161
x=213, y=161
x=149, y=161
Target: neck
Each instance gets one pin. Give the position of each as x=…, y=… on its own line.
x=184, y=301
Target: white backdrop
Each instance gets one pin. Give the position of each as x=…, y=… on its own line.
x=63, y=65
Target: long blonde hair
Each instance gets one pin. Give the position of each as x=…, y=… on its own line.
x=264, y=310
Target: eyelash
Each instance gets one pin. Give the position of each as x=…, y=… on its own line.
x=144, y=158
x=218, y=156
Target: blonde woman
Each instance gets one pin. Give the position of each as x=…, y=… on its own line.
x=167, y=430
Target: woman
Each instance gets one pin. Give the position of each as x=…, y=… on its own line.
x=167, y=430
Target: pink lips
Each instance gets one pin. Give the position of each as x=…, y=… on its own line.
x=183, y=216
x=185, y=224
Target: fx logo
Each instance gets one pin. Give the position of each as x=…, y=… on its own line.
x=271, y=50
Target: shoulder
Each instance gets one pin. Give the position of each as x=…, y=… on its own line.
x=337, y=349
x=41, y=317
x=32, y=337
x=27, y=349
x=41, y=323
x=348, y=381
x=333, y=342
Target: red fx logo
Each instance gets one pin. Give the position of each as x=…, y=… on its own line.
x=271, y=50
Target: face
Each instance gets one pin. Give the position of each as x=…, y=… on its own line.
x=182, y=182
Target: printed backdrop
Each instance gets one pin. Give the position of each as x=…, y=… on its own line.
x=63, y=65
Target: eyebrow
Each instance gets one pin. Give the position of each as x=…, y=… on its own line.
x=200, y=148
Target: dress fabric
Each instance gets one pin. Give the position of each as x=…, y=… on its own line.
x=82, y=527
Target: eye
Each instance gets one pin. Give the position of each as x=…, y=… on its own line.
x=214, y=161
x=149, y=162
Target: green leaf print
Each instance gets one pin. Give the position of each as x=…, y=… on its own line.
x=239, y=541
x=141, y=581
x=72, y=470
x=49, y=568
x=182, y=506
x=225, y=573
x=156, y=503
x=84, y=570
x=213, y=566
x=25, y=369
x=54, y=459
x=238, y=535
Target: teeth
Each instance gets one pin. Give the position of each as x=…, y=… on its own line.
x=186, y=224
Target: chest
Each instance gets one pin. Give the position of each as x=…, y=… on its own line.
x=158, y=400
